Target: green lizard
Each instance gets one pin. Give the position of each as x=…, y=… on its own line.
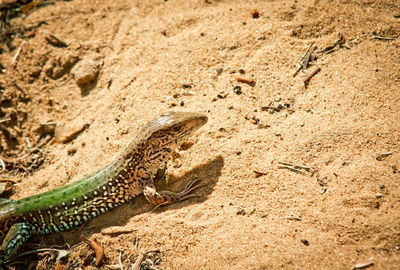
x=128, y=176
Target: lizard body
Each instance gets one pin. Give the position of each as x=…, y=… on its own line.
x=128, y=176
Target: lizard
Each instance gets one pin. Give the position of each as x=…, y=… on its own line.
x=130, y=174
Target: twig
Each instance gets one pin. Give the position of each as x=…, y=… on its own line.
x=304, y=60
x=136, y=241
x=121, y=266
x=36, y=147
x=3, y=165
x=383, y=38
x=295, y=165
x=293, y=216
x=8, y=160
x=138, y=262
x=16, y=55
x=5, y=119
x=363, y=265
x=383, y=155
x=61, y=252
x=310, y=75
x=277, y=109
x=242, y=79
x=290, y=168
x=348, y=45
x=49, y=124
x=28, y=142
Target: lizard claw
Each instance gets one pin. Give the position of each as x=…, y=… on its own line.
x=185, y=194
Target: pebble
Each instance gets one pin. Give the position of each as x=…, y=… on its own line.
x=85, y=71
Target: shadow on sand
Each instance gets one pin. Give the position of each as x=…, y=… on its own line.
x=208, y=173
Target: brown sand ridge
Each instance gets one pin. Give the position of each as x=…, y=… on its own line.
x=156, y=56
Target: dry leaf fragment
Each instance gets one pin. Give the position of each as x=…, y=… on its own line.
x=98, y=250
x=259, y=174
x=55, y=41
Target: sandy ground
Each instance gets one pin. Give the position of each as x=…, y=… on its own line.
x=156, y=56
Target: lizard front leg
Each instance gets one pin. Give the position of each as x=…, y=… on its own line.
x=18, y=234
x=167, y=197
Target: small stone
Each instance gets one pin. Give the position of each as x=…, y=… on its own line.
x=35, y=72
x=255, y=14
x=222, y=95
x=305, y=242
x=237, y=90
x=186, y=85
x=240, y=211
x=72, y=151
x=85, y=71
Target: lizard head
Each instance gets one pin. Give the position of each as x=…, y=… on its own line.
x=157, y=140
x=161, y=136
x=173, y=128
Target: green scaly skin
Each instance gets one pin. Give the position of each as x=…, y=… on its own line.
x=129, y=175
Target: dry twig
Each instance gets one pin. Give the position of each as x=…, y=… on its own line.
x=294, y=167
x=138, y=262
x=17, y=53
x=363, y=265
x=5, y=119
x=310, y=75
x=293, y=216
x=384, y=38
x=242, y=79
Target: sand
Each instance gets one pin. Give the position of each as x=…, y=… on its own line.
x=157, y=56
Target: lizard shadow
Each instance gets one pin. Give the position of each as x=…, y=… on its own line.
x=208, y=173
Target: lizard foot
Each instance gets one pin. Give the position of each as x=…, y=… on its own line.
x=164, y=197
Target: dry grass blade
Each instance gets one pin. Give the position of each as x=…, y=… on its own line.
x=61, y=253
